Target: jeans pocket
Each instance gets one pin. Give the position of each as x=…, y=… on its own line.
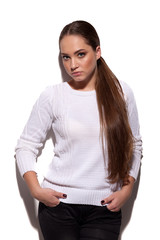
x=112, y=212
x=57, y=206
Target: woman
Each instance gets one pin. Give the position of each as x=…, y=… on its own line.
x=97, y=150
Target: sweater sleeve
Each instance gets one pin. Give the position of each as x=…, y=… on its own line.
x=134, y=124
x=34, y=133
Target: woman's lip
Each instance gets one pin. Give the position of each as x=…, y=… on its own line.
x=76, y=73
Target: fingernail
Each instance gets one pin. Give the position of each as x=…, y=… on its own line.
x=65, y=195
x=102, y=202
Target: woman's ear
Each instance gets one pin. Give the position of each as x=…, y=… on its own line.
x=98, y=52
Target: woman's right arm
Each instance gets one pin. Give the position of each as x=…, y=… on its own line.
x=28, y=146
x=45, y=195
x=34, y=133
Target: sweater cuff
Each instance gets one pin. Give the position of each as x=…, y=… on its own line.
x=134, y=171
x=26, y=161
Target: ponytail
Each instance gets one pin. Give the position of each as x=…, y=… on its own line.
x=115, y=129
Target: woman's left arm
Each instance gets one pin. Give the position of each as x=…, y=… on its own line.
x=116, y=200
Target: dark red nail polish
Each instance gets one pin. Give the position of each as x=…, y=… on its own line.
x=65, y=195
x=102, y=202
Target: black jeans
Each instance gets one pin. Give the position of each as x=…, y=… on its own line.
x=79, y=222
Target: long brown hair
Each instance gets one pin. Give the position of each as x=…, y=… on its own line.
x=115, y=130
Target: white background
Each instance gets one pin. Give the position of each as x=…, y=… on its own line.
x=29, y=31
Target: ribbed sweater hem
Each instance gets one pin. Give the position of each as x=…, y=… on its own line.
x=79, y=195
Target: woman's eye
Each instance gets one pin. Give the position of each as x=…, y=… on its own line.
x=81, y=54
x=65, y=58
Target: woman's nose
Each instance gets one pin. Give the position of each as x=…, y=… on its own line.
x=74, y=64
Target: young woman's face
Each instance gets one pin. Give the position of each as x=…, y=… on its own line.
x=79, y=59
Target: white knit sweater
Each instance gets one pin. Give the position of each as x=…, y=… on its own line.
x=77, y=168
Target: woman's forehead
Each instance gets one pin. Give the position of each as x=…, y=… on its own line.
x=73, y=43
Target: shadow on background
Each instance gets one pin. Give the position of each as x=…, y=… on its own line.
x=128, y=207
x=29, y=203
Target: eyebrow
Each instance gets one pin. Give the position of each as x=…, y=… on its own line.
x=74, y=52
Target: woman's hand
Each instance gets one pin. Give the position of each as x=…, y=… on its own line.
x=48, y=196
x=116, y=200
x=45, y=195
